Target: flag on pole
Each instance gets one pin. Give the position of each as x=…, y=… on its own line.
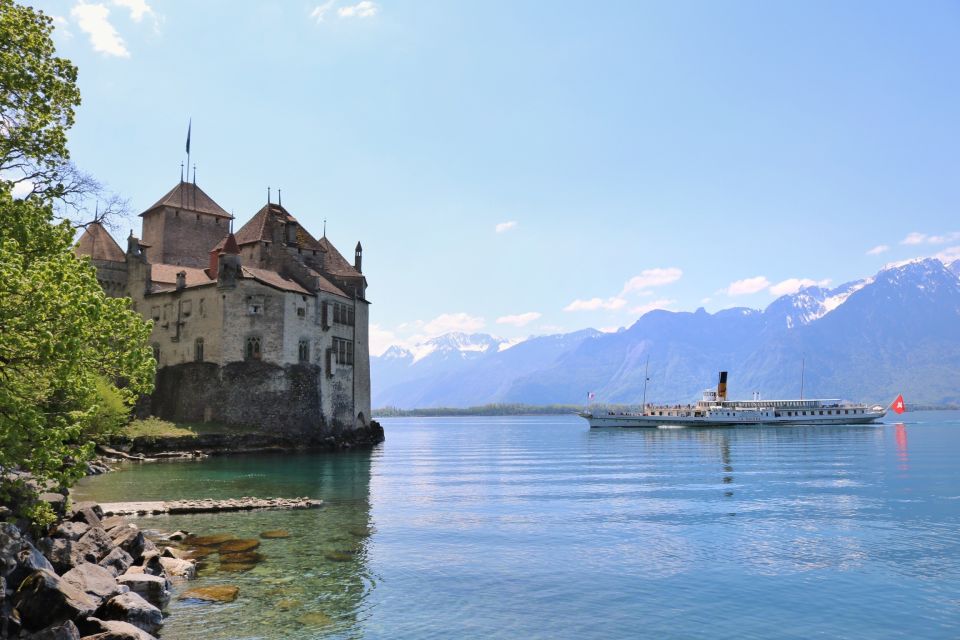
x=898, y=406
x=189, y=126
x=591, y=395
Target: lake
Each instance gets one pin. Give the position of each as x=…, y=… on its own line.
x=537, y=527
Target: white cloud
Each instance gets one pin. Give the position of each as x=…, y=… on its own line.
x=22, y=189
x=62, y=27
x=137, y=8
x=593, y=304
x=447, y=322
x=944, y=239
x=519, y=320
x=877, y=250
x=914, y=238
x=656, y=304
x=381, y=339
x=609, y=329
x=503, y=227
x=363, y=9
x=93, y=19
x=792, y=285
x=320, y=11
x=747, y=286
x=949, y=254
x=706, y=300
x=651, y=278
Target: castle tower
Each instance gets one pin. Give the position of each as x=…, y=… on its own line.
x=181, y=227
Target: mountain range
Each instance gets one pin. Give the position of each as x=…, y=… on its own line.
x=867, y=340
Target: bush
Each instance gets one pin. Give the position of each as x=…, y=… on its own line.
x=110, y=414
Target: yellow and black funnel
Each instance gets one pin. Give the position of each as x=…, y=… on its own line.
x=722, y=387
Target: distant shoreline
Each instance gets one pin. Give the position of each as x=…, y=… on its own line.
x=492, y=410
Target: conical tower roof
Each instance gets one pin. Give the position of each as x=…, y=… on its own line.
x=190, y=197
x=98, y=244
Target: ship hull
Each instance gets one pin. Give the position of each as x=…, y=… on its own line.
x=652, y=422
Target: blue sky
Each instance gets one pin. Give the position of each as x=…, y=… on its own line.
x=523, y=168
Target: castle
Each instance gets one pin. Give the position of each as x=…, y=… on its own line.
x=265, y=327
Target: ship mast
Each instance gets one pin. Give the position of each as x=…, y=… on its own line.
x=646, y=378
x=803, y=363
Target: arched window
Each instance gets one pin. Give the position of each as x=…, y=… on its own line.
x=252, y=351
x=303, y=351
x=198, y=350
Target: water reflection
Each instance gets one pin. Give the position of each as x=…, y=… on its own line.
x=900, y=434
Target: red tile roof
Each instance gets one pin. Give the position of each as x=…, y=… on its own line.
x=325, y=285
x=166, y=274
x=97, y=243
x=274, y=279
x=260, y=227
x=335, y=263
x=190, y=197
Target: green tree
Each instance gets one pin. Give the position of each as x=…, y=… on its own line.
x=61, y=337
x=38, y=96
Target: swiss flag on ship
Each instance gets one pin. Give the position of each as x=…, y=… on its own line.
x=898, y=406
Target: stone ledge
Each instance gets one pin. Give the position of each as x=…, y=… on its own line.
x=205, y=506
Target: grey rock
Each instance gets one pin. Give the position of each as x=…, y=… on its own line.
x=88, y=512
x=59, y=552
x=29, y=559
x=93, y=546
x=113, y=522
x=129, y=538
x=117, y=561
x=96, y=581
x=176, y=568
x=173, y=552
x=155, y=589
x=62, y=631
x=132, y=608
x=114, y=630
x=176, y=536
x=57, y=501
x=43, y=598
x=71, y=530
x=9, y=548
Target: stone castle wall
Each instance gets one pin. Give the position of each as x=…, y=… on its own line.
x=270, y=397
x=182, y=237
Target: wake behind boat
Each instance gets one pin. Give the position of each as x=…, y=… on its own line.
x=714, y=410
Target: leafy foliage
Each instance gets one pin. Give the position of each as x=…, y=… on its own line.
x=110, y=415
x=60, y=336
x=38, y=96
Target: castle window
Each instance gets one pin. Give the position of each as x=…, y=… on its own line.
x=202, y=314
x=343, y=351
x=303, y=351
x=186, y=308
x=198, y=350
x=155, y=312
x=156, y=353
x=252, y=351
x=254, y=305
x=302, y=312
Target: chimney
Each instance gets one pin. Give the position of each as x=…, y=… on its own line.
x=358, y=258
x=214, y=264
x=181, y=280
x=722, y=387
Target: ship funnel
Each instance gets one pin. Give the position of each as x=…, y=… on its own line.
x=722, y=387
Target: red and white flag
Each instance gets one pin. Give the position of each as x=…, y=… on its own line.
x=898, y=406
x=591, y=395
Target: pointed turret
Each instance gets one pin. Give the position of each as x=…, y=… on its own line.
x=358, y=258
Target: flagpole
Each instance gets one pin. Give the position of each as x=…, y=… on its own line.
x=646, y=370
x=189, y=127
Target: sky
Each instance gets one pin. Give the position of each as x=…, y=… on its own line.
x=524, y=168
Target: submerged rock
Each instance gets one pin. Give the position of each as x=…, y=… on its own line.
x=247, y=557
x=236, y=546
x=236, y=567
x=315, y=619
x=339, y=556
x=209, y=541
x=216, y=593
x=176, y=568
x=275, y=533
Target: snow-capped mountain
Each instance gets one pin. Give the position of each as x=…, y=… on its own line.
x=864, y=340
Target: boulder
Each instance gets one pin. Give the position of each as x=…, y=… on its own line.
x=151, y=563
x=29, y=559
x=176, y=536
x=117, y=561
x=43, y=598
x=62, y=631
x=155, y=589
x=113, y=522
x=96, y=581
x=132, y=608
x=88, y=512
x=113, y=630
x=59, y=551
x=9, y=548
x=175, y=568
x=71, y=530
x=93, y=546
x=129, y=538
x=173, y=552
x=57, y=501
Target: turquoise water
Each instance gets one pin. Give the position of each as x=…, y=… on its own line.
x=541, y=528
